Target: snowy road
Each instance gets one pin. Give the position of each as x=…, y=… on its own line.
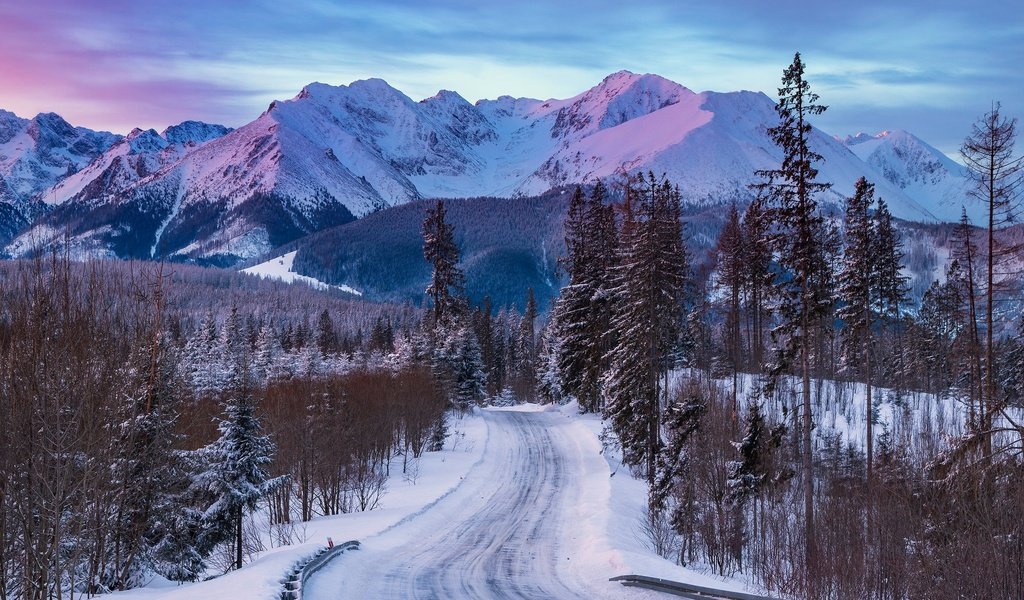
x=512, y=529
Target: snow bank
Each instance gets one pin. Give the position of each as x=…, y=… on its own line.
x=611, y=514
x=435, y=475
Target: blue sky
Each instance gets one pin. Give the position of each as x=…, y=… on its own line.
x=929, y=67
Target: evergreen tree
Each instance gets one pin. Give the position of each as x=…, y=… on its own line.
x=549, y=381
x=998, y=175
x=525, y=349
x=796, y=223
x=584, y=307
x=233, y=347
x=682, y=421
x=447, y=283
x=757, y=259
x=326, y=337
x=201, y=356
x=268, y=350
x=236, y=480
x=731, y=274
x=149, y=476
x=466, y=369
x=650, y=281
x=965, y=253
x=892, y=285
x=859, y=283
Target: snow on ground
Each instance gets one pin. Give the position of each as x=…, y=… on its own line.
x=282, y=269
x=545, y=514
x=613, y=511
x=433, y=477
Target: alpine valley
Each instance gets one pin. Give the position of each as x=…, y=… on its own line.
x=309, y=172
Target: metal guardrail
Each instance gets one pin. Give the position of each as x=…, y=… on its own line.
x=293, y=584
x=684, y=590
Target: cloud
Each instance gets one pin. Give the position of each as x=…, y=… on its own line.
x=117, y=64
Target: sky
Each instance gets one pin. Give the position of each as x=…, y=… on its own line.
x=931, y=67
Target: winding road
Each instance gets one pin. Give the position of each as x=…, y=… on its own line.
x=511, y=529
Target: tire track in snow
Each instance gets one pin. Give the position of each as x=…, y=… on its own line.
x=500, y=535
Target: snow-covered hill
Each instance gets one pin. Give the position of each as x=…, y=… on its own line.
x=333, y=153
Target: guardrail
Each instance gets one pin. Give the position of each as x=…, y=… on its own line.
x=293, y=584
x=685, y=590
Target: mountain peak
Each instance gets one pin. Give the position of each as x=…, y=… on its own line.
x=194, y=132
x=620, y=97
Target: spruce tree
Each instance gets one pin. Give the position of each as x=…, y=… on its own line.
x=858, y=294
x=465, y=366
x=998, y=175
x=965, y=252
x=584, y=308
x=649, y=285
x=758, y=275
x=892, y=291
x=326, y=337
x=525, y=345
x=731, y=270
x=236, y=479
x=447, y=283
x=791, y=192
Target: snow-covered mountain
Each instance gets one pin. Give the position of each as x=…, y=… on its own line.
x=36, y=153
x=918, y=170
x=333, y=153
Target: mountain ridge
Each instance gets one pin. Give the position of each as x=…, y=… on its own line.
x=334, y=153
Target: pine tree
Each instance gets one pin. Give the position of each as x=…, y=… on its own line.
x=549, y=381
x=466, y=368
x=893, y=290
x=731, y=272
x=998, y=175
x=268, y=350
x=791, y=191
x=682, y=421
x=650, y=281
x=201, y=356
x=759, y=277
x=965, y=253
x=326, y=337
x=447, y=283
x=584, y=308
x=525, y=347
x=859, y=293
x=233, y=348
x=236, y=480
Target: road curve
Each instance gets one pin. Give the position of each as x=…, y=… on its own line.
x=506, y=532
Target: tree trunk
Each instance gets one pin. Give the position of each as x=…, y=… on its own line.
x=238, y=538
x=990, y=387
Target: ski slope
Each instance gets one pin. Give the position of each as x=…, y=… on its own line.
x=533, y=519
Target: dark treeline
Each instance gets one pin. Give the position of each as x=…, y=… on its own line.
x=715, y=375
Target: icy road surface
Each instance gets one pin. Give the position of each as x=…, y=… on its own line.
x=516, y=527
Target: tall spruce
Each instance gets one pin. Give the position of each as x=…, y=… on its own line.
x=965, y=253
x=731, y=269
x=998, y=175
x=790, y=192
x=447, y=282
x=757, y=258
x=236, y=480
x=649, y=286
x=892, y=289
x=584, y=306
x=858, y=294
